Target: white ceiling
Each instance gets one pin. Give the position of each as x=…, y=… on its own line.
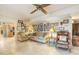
x=22, y=11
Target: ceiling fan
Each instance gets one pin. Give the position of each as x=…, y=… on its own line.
x=40, y=7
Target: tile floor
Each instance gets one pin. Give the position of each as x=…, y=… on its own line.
x=9, y=46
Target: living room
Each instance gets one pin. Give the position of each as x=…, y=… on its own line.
x=39, y=29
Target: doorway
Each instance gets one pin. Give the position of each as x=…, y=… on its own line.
x=75, y=37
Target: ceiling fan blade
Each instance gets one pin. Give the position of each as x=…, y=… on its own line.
x=45, y=5
x=44, y=11
x=36, y=5
x=33, y=11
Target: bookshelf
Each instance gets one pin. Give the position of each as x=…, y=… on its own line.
x=21, y=26
x=62, y=39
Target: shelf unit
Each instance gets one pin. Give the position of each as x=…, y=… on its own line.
x=21, y=26
x=62, y=40
x=42, y=27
